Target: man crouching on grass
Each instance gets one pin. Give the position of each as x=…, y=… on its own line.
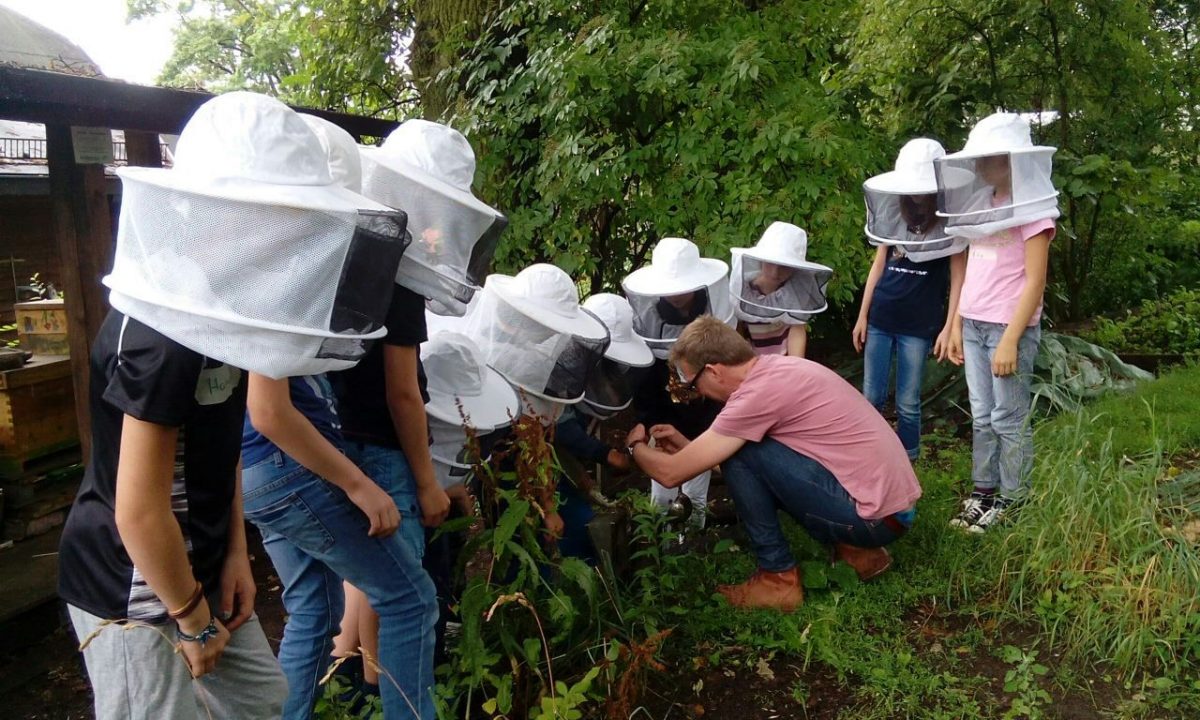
x=795, y=436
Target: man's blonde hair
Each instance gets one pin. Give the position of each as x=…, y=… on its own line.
x=707, y=340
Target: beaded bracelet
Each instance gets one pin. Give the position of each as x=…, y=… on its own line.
x=202, y=637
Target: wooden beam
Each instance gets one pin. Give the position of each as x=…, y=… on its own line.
x=81, y=219
x=142, y=149
x=53, y=98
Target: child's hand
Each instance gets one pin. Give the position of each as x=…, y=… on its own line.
x=941, y=346
x=1004, y=359
x=554, y=525
x=460, y=496
x=377, y=505
x=434, y=504
x=618, y=460
x=954, y=353
x=858, y=335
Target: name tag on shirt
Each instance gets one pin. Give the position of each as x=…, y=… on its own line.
x=980, y=252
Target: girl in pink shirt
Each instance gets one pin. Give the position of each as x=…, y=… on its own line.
x=997, y=193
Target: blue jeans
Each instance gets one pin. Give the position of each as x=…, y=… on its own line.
x=910, y=353
x=390, y=470
x=1002, y=440
x=768, y=476
x=316, y=538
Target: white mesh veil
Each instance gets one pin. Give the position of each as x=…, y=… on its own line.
x=659, y=319
x=783, y=293
x=1000, y=180
x=531, y=354
x=454, y=238
x=276, y=290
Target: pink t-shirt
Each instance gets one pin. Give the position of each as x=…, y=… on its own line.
x=812, y=410
x=996, y=274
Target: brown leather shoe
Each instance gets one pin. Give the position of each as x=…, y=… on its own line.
x=869, y=563
x=780, y=591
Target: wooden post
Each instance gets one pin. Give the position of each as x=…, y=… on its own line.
x=81, y=220
x=142, y=148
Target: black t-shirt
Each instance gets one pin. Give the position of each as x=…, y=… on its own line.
x=362, y=390
x=910, y=298
x=138, y=372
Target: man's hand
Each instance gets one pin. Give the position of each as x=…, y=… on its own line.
x=668, y=439
x=858, y=335
x=1004, y=358
x=636, y=435
x=618, y=460
x=378, y=506
x=202, y=659
x=460, y=496
x=435, y=504
x=237, y=590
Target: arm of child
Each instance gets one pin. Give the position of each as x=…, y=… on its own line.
x=958, y=270
x=1037, y=257
x=237, y=581
x=407, y=409
x=269, y=405
x=797, y=340
x=859, y=335
x=151, y=534
x=674, y=469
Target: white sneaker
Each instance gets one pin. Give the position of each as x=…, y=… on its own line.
x=994, y=515
x=974, y=508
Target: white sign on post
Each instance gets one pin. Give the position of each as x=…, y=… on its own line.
x=92, y=145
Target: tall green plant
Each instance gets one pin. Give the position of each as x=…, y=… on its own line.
x=604, y=126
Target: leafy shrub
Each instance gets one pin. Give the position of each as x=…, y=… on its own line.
x=1169, y=325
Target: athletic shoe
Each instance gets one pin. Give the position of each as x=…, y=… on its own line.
x=1000, y=509
x=974, y=508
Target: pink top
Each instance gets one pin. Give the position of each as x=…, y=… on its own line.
x=812, y=410
x=996, y=274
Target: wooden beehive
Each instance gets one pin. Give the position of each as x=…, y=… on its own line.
x=42, y=327
x=37, y=412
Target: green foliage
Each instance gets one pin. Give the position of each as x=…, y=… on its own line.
x=1170, y=325
x=604, y=126
x=331, y=54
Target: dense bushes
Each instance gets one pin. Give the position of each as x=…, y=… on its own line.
x=1169, y=326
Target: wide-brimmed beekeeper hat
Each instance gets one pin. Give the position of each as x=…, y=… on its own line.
x=462, y=389
x=426, y=169
x=341, y=151
x=248, y=251
x=902, y=205
x=972, y=206
x=532, y=331
x=797, y=298
x=676, y=268
x=611, y=386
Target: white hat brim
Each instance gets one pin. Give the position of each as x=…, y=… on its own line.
x=495, y=406
x=416, y=174
x=650, y=281
x=779, y=259
x=580, y=323
x=897, y=182
x=633, y=352
x=967, y=153
x=326, y=198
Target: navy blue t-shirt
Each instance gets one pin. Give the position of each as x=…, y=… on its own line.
x=313, y=397
x=910, y=298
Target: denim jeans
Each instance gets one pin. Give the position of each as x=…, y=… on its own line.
x=768, y=476
x=390, y=469
x=316, y=538
x=910, y=353
x=1002, y=441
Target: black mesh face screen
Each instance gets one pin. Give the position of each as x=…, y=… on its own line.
x=575, y=365
x=369, y=273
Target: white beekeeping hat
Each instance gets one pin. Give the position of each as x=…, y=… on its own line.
x=773, y=281
x=902, y=205
x=676, y=272
x=426, y=169
x=998, y=181
x=248, y=251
